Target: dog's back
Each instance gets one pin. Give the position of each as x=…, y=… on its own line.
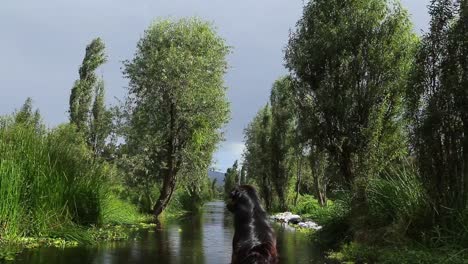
x=254, y=240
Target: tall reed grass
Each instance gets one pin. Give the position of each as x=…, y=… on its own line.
x=48, y=181
x=398, y=197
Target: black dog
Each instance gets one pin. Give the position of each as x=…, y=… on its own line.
x=254, y=240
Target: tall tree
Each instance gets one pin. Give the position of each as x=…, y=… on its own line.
x=177, y=101
x=281, y=100
x=437, y=106
x=257, y=154
x=101, y=120
x=231, y=178
x=461, y=36
x=27, y=116
x=82, y=92
x=350, y=59
x=243, y=175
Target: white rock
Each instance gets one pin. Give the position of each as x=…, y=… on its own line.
x=286, y=217
x=310, y=225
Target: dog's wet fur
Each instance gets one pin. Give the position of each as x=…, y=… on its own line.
x=254, y=240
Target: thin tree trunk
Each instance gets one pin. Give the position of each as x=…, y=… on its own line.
x=169, y=184
x=266, y=192
x=316, y=164
x=282, y=199
x=320, y=188
x=170, y=177
x=465, y=166
x=347, y=168
x=299, y=178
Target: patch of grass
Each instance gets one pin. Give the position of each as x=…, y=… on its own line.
x=117, y=211
x=48, y=181
x=398, y=197
x=359, y=253
x=308, y=207
x=333, y=218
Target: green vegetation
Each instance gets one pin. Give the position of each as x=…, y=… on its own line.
x=175, y=108
x=48, y=181
x=73, y=184
x=367, y=136
x=368, y=133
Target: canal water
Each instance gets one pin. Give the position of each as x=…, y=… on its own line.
x=203, y=238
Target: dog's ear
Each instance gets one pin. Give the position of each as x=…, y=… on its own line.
x=235, y=194
x=234, y=197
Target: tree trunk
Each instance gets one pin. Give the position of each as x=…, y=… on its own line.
x=317, y=166
x=299, y=178
x=320, y=189
x=266, y=192
x=170, y=177
x=347, y=168
x=169, y=184
x=282, y=200
x=465, y=166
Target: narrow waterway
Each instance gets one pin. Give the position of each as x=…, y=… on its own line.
x=203, y=238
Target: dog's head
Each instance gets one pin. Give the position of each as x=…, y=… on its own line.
x=243, y=200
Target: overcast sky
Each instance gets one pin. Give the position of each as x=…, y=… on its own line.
x=43, y=42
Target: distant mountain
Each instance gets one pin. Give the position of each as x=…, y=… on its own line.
x=219, y=176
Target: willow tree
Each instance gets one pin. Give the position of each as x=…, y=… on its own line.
x=100, y=124
x=350, y=59
x=282, y=126
x=81, y=96
x=257, y=154
x=176, y=98
x=437, y=106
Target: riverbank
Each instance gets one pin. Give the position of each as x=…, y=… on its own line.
x=336, y=232
x=411, y=253
x=72, y=237
x=295, y=221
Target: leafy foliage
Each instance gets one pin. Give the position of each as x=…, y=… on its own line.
x=436, y=99
x=350, y=59
x=176, y=102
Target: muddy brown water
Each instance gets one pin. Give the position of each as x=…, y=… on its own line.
x=202, y=238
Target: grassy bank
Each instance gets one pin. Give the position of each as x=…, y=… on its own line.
x=55, y=192
x=393, y=229
x=48, y=181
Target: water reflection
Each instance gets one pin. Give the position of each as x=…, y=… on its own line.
x=195, y=239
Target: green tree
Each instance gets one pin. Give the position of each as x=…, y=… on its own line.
x=101, y=121
x=82, y=92
x=243, y=175
x=438, y=111
x=231, y=178
x=213, y=189
x=282, y=126
x=177, y=101
x=27, y=116
x=257, y=154
x=350, y=59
